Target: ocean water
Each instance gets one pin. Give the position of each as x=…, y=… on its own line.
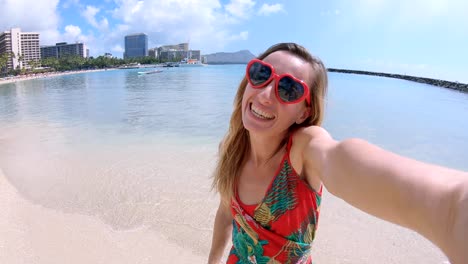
x=129, y=149
x=193, y=106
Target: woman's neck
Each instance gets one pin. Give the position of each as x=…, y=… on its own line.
x=264, y=147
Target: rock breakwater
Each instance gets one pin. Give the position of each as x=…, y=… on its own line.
x=462, y=87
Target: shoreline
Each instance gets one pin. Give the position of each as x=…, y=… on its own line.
x=91, y=203
x=32, y=233
x=34, y=76
x=457, y=86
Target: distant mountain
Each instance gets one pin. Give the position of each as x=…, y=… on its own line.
x=240, y=57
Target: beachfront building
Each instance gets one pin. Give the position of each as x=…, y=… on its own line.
x=136, y=46
x=181, y=46
x=177, y=52
x=171, y=55
x=194, y=55
x=174, y=55
x=63, y=49
x=22, y=47
x=153, y=53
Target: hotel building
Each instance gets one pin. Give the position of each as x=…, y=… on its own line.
x=136, y=46
x=23, y=45
x=181, y=46
x=63, y=49
x=178, y=51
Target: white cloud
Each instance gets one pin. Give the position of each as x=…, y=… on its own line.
x=240, y=8
x=70, y=3
x=72, y=31
x=267, y=9
x=204, y=23
x=207, y=24
x=32, y=16
x=117, y=48
x=123, y=28
x=90, y=15
x=136, y=7
x=104, y=24
x=244, y=35
x=74, y=34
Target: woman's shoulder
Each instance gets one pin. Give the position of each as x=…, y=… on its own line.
x=310, y=133
x=312, y=142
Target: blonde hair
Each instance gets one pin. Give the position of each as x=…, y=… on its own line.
x=235, y=145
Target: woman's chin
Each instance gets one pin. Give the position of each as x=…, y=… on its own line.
x=256, y=124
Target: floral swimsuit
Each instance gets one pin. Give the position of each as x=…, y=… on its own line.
x=282, y=227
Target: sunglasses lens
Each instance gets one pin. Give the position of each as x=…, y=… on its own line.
x=290, y=90
x=259, y=73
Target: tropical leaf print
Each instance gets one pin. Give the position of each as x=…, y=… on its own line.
x=246, y=228
x=280, y=198
x=301, y=239
x=246, y=249
x=282, y=226
x=306, y=232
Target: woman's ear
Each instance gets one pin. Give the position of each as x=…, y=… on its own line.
x=304, y=115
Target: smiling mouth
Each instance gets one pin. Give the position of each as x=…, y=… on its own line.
x=260, y=114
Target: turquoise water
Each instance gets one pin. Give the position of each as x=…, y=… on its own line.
x=193, y=105
x=138, y=151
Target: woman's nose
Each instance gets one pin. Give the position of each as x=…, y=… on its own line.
x=267, y=93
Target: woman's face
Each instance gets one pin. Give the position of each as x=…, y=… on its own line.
x=261, y=110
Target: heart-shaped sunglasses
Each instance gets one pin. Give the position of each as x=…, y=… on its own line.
x=288, y=89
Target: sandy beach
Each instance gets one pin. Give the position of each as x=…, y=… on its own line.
x=33, y=234
x=150, y=204
x=33, y=76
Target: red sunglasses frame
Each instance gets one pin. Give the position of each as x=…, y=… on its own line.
x=277, y=78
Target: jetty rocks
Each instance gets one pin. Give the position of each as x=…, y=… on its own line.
x=462, y=87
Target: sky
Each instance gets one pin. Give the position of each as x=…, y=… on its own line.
x=417, y=37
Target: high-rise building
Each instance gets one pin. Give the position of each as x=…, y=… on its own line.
x=63, y=49
x=153, y=53
x=136, y=45
x=181, y=46
x=177, y=52
x=22, y=47
x=171, y=55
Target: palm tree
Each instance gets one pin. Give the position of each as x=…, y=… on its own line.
x=34, y=64
x=21, y=60
x=3, y=62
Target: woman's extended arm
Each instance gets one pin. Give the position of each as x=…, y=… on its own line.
x=429, y=199
x=221, y=233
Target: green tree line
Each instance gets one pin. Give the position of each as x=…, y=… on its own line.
x=69, y=63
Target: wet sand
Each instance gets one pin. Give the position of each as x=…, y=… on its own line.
x=149, y=204
x=31, y=233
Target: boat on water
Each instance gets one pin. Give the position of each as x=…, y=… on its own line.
x=171, y=64
x=130, y=66
x=149, y=72
x=191, y=63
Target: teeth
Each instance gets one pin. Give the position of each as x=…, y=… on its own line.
x=259, y=113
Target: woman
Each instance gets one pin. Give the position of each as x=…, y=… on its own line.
x=275, y=158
